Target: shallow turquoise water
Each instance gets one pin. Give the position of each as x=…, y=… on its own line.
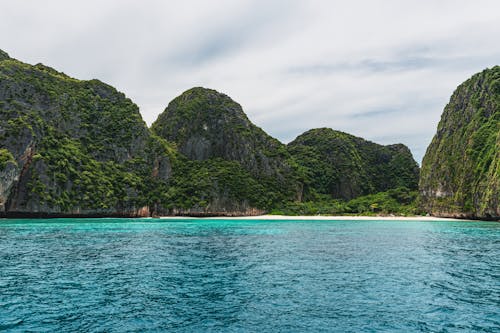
x=117, y=275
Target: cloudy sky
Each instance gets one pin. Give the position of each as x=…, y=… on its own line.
x=382, y=70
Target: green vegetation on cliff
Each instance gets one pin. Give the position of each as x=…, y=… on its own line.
x=204, y=123
x=345, y=167
x=71, y=147
x=5, y=158
x=3, y=55
x=209, y=128
x=232, y=160
x=461, y=168
x=201, y=183
x=82, y=145
x=399, y=201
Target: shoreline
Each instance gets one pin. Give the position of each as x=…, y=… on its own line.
x=316, y=218
x=266, y=218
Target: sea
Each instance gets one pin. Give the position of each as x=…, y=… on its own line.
x=154, y=275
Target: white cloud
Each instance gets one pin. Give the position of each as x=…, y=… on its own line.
x=382, y=70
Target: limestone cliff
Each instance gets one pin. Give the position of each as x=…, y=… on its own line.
x=345, y=166
x=237, y=166
x=70, y=147
x=80, y=148
x=461, y=169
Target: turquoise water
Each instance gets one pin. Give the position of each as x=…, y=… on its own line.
x=110, y=275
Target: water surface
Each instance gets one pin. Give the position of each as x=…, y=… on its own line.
x=118, y=275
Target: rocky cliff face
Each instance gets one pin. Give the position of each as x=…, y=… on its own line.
x=4, y=55
x=80, y=148
x=205, y=124
x=214, y=134
x=70, y=147
x=461, y=169
x=345, y=166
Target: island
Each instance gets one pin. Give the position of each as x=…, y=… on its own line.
x=73, y=148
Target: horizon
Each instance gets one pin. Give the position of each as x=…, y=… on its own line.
x=384, y=73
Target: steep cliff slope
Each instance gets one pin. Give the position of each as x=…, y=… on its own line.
x=70, y=147
x=345, y=166
x=461, y=169
x=214, y=134
x=80, y=148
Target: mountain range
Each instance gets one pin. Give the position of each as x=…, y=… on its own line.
x=80, y=148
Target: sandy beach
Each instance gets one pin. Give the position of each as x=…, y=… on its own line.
x=319, y=218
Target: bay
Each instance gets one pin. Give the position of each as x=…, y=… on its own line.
x=137, y=275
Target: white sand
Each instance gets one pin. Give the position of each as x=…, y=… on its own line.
x=320, y=217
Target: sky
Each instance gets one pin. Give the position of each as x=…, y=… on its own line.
x=379, y=69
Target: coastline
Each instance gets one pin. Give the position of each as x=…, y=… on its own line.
x=265, y=217
x=318, y=218
x=257, y=217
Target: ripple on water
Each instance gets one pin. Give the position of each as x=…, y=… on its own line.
x=341, y=276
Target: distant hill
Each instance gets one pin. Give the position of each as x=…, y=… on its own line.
x=80, y=148
x=345, y=166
